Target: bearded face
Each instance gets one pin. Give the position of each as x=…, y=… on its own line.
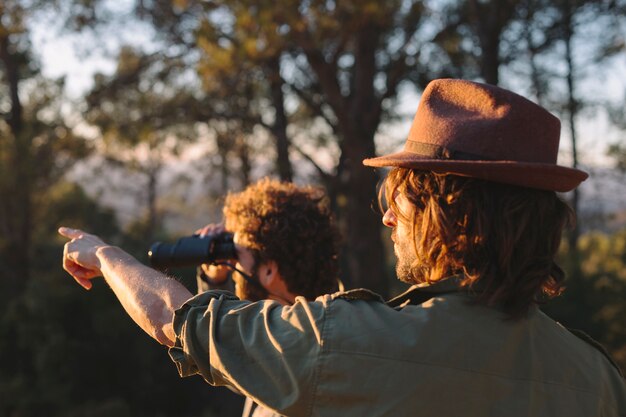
x=405, y=258
x=247, y=291
x=407, y=266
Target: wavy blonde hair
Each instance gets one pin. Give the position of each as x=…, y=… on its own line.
x=501, y=239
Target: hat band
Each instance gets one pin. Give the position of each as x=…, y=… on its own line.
x=440, y=152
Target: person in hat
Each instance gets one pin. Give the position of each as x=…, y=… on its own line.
x=476, y=225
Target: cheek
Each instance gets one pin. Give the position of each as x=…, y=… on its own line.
x=403, y=230
x=245, y=261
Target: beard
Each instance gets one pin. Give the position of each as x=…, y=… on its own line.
x=407, y=267
x=247, y=291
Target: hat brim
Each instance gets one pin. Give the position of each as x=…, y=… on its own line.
x=550, y=177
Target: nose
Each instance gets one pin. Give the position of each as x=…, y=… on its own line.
x=390, y=219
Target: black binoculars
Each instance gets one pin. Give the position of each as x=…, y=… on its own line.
x=192, y=251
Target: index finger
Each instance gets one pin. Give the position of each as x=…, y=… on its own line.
x=70, y=233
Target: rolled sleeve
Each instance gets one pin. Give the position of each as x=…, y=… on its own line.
x=191, y=344
x=265, y=350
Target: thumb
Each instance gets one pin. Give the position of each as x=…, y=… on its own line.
x=70, y=233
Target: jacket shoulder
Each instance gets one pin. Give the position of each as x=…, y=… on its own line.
x=596, y=345
x=357, y=294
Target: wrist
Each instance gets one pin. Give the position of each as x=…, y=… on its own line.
x=109, y=255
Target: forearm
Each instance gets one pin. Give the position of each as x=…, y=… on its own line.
x=148, y=296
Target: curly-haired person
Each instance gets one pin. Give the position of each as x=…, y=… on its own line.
x=287, y=239
x=287, y=247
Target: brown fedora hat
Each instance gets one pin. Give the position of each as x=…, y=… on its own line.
x=482, y=131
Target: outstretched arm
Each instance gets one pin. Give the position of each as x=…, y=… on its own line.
x=148, y=296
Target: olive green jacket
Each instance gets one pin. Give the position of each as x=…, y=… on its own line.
x=433, y=354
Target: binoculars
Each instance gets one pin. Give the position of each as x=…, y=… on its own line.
x=192, y=251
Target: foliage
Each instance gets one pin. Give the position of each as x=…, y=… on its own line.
x=141, y=115
x=65, y=344
x=56, y=356
x=596, y=290
x=326, y=74
x=338, y=64
x=37, y=143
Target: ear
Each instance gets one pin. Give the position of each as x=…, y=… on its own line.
x=269, y=275
x=273, y=281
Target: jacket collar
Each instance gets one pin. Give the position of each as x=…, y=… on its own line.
x=423, y=292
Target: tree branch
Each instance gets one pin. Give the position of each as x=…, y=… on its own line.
x=325, y=72
x=315, y=106
x=323, y=174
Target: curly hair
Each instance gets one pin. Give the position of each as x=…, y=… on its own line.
x=501, y=239
x=292, y=226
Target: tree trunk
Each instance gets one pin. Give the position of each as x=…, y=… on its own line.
x=489, y=18
x=18, y=204
x=535, y=74
x=572, y=110
x=244, y=158
x=152, y=172
x=224, y=170
x=366, y=253
x=490, y=58
x=366, y=258
x=15, y=119
x=279, y=128
x=225, y=142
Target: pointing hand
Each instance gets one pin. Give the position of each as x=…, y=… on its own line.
x=79, y=255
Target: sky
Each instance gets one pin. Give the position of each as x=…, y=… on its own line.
x=79, y=56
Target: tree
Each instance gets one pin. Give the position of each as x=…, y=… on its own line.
x=245, y=56
x=37, y=144
x=343, y=62
x=141, y=116
x=540, y=35
x=474, y=36
x=240, y=78
x=570, y=19
x=595, y=302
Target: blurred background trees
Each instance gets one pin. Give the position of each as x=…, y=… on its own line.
x=203, y=97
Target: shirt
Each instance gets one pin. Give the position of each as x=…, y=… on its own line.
x=350, y=354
